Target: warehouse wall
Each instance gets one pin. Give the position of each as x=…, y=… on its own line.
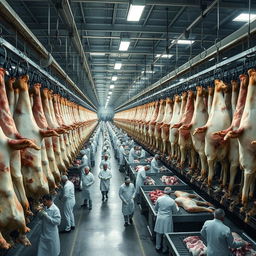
x=105, y=113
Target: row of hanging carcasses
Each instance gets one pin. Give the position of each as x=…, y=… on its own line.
x=217, y=124
x=40, y=135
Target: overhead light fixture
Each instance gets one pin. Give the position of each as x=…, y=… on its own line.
x=118, y=65
x=112, y=86
x=167, y=56
x=114, y=78
x=124, y=45
x=224, y=58
x=244, y=17
x=148, y=71
x=182, y=41
x=135, y=12
x=211, y=59
x=97, y=54
x=182, y=79
x=110, y=93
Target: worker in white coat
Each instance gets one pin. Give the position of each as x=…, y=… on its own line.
x=141, y=177
x=49, y=241
x=84, y=160
x=106, y=161
x=69, y=201
x=133, y=154
x=218, y=236
x=105, y=176
x=155, y=164
x=165, y=207
x=87, y=182
x=127, y=195
x=142, y=153
x=105, y=151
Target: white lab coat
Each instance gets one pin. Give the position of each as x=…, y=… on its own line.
x=127, y=194
x=49, y=241
x=84, y=161
x=141, y=177
x=87, y=182
x=165, y=207
x=219, y=238
x=69, y=201
x=132, y=156
x=105, y=176
x=154, y=168
x=121, y=155
x=143, y=154
x=104, y=162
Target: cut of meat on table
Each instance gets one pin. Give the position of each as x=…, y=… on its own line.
x=149, y=181
x=169, y=180
x=246, y=250
x=190, y=204
x=195, y=246
x=153, y=195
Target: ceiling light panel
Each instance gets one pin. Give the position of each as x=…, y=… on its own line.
x=184, y=42
x=135, y=12
x=114, y=78
x=244, y=17
x=167, y=56
x=118, y=65
x=112, y=86
x=124, y=45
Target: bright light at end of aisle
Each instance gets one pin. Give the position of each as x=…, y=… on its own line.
x=124, y=45
x=110, y=93
x=112, y=86
x=114, y=78
x=118, y=65
x=135, y=12
x=184, y=41
x=244, y=17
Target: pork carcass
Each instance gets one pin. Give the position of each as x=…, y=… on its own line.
x=237, y=115
x=158, y=124
x=165, y=126
x=34, y=178
x=10, y=130
x=10, y=94
x=147, y=120
x=190, y=204
x=215, y=148
x=184, y=141
x=210, y=99
x=48, y=160
x=173, y=133
x=200, y=117
x=246, y=134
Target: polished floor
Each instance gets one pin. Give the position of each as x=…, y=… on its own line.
x=101, y=231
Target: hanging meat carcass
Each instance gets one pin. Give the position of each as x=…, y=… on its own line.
x=34, y=178
x=165, y=126
x=10, y=94
x=152, y=124
x=48, y=160
x=184, y=141
x=210, y=99
x=200, y=117
x=146, y=123
x=215, y=148
x=246, y=136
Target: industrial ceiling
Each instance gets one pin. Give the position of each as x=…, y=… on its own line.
x=84, y=37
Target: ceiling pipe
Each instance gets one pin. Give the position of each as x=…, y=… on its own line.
x=67, y=15
x=12, y=17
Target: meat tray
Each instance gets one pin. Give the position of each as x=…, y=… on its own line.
x=183, y=220
x=178, y=248
x=156, y=177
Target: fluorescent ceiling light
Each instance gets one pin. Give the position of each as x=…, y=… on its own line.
x=118, y=65
x=224, y=58
x=114, y=78
x=135, y=12
x=97, y=54
x=244, y=17
x=112, y=86
x=211, y=59
x=124, y=45
x=182, y=79
x=110, y=93
x=184, y=41
x=164, y=56
x=148, y=71
x=144, y=78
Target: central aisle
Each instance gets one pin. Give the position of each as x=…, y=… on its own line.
x=101, y=231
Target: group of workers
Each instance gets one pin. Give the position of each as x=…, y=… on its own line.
x=217, y=235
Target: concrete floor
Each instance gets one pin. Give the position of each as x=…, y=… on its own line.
x=101, y=231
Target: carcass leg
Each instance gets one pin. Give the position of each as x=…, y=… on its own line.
x=224, y=169
x=233, y=172
x=182, y=156
x=200, y=209
x=3, y=243
x=193, y=159
x=164, y=147
x=203, y=161
x=252, y=186
x=248, y=179
x=211, y=171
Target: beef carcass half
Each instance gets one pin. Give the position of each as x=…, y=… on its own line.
x=189, y=202
x=246, y=134
x=34, y=178
x=152, y=124
x=48, y=160
x=185, y=141
x=215, y=148
x=200, y=117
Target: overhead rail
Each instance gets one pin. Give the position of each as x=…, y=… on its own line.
x=217, y=48
x=67, y=15
x=5, y=44
x=10, y=15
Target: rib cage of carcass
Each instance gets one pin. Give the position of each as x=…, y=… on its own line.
x=40, y=135
x=215, y=125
